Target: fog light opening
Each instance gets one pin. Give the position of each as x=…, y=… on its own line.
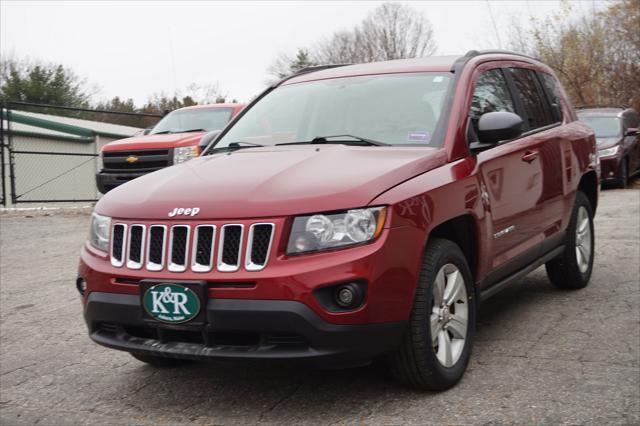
x=81, y=285
x=348, y=295
x=345, y=297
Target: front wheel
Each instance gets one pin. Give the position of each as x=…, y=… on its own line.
x=436, y=348
x=572, y=269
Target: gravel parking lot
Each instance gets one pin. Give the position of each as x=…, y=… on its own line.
x=541, y=355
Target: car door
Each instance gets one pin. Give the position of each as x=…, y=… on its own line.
x=511, y=173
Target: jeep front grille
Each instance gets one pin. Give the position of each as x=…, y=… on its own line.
x=179, y=247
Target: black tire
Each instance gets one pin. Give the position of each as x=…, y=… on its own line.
x=159, y=362
x=564, y=271
x=415, y=362
x=623, y=174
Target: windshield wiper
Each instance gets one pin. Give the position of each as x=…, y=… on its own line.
x=164, y=132
x=357, y=140
x=234, y=146
x=243, y=144
x=193, y=130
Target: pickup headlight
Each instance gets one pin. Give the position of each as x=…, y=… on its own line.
x=327, y=231
x=609, y=151
x=100, y=231
x=185, y=153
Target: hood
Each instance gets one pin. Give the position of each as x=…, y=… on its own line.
x=270, y=181
x=603, y=143
x=170, y=140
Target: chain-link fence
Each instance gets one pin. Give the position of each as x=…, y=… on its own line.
x=48, y=157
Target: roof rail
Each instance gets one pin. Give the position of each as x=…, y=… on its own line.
x=473, y=53
x=308, y=70
x=461, y=61
x=602, y=106
x=319, y=68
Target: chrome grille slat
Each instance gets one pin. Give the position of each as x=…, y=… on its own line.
x=158, y=247
x=178, y=248
x=230, y=247
x=135, y=246
x=118, y=244
x=203, y=246
x=258, y=246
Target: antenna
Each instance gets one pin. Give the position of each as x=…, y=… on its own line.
x=495, y=27
x=173, y=64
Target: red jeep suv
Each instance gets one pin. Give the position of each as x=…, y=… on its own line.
x=350, y=213
x=174, y=140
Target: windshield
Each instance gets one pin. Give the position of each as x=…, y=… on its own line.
x=603, y=126
x=396, y=109
x=205, y=119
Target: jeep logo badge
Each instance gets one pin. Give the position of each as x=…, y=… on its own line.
x=181, y=211
x=171, y=303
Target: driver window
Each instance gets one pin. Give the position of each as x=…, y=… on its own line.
x=491, y=94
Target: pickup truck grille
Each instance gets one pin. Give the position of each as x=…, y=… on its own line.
x=146, y=160
x=200, y=248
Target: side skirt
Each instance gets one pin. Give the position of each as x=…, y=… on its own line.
x=501, y=285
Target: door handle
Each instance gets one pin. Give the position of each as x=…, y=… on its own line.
x=529, y=156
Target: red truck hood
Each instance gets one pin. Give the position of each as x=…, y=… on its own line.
x=269, y=182
x=171, y=140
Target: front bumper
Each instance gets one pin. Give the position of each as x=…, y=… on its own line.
x=239, y=329
x=108, y=181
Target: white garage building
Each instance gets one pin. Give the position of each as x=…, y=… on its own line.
x=54, y=158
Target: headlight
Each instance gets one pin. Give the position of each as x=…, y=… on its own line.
x=100, y=232
x=609, y=151
x=185, y=153
x=326, y=231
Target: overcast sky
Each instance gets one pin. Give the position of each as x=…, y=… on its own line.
x=135, y=49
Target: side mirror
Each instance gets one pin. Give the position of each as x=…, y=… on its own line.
x=147, y=130
x=631, y=131
x=207, y=139
x=494, y=127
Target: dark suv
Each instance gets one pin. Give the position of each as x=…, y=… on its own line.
x=350, y=213
x=618, y=142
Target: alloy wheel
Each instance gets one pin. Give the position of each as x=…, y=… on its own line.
x=449, y=315
x=583, y=239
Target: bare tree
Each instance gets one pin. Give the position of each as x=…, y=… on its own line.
x=343, y=47
x=395, y=31
x=391, y=31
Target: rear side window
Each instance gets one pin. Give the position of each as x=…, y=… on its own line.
x=533, y=100
x=553, y=92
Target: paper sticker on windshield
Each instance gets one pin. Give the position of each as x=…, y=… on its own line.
x=423, y=137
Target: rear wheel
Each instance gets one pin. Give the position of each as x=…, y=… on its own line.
x=572, y=269
x=437, y=345
x=158, y=362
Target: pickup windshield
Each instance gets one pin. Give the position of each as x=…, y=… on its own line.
x=603, y=126
x=392, y=109
x=190, y=120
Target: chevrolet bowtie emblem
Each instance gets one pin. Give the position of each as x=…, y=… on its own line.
x=131, y=159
